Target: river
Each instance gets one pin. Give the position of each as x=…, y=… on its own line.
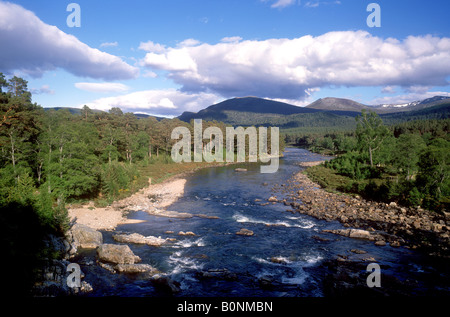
x=282, y=258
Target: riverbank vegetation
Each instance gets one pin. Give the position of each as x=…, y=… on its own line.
x=49, y=158
x=407, y=163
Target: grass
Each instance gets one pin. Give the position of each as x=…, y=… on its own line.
x=328, y=178
x=158, y=171
x=333, y=182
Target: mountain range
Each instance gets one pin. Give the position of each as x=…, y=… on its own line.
x=331, y=113
x=326, y=114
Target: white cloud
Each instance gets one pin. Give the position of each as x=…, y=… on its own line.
x=33, y=47
x=388, y=90
x=287, y=68
x=149, y=74
x=231, y=39
x=312, y=4
x=282, y=3
x=152, y=47
x=102, y=87
x=317, y=3
x=45, y=89
x=408, y=97
x=109, y=44
x=169, y=102
x=189, y=42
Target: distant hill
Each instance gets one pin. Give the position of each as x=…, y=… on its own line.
x=71, y=110
x=340, y=104
x=325, y=114
x=78, y=111
x=413, y=106
x=246, y=109
x=440, y=111
x=337, y=104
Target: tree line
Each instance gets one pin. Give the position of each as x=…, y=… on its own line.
x=78, y=156
x=406, y=162
x=50, y=157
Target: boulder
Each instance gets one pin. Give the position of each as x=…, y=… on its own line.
x=245, y=232
x=117, y=254
x=139, y=239
x=380, y=243
x=278, y=260
x=352, y=233
x=135, y=268
x=360, y=234
x=272, y=199
x=189, y=233
x=358, y=251
x=81, y=236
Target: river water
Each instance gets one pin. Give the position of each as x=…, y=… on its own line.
x=282, y=258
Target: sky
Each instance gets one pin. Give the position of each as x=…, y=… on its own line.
x=166, y=57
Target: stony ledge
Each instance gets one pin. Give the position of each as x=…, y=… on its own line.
x=382, y=223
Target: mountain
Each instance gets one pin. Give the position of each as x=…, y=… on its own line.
x=340, y=104
x=337, y=104
x=413, y=106
x=326, y=114
x=246, y=109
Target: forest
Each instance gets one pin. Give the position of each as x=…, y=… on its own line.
x=406, y=162
x=51, y=158
x=74, y=157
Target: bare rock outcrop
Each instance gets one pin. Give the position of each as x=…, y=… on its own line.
x=139, y=239
x=117, y=254
x=81, y=236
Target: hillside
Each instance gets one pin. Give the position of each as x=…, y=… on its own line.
x=246, y=109
x=337, y=104
x=77, y=111
x=325, y=114
x=340, y=104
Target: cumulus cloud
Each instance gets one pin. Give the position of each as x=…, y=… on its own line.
x=34, y=47
x=231, y=39
x=388, y=90
x=168, y=102
x=102, y=87
x=289, y=68
x=152, y=47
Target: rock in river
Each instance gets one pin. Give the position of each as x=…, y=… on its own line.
x=139, y=239
x=352, y=233
x=117, y=254
x=245, y=232
x=81, y=236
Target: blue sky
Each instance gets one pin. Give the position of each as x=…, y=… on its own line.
x=166, y=57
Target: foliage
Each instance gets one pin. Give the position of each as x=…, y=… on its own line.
x=410, y=165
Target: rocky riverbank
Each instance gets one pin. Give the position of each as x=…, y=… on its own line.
x=85, y=233
x=382, y=223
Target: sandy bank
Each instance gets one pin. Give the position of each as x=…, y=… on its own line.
x=153, y=199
